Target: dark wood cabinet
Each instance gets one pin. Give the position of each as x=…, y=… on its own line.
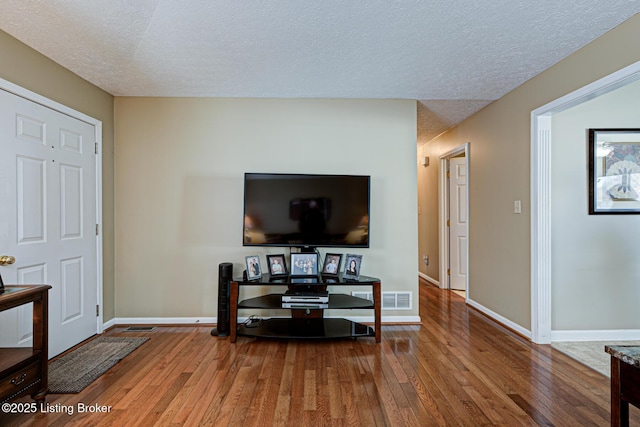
x=25, y=370
x=305, y=323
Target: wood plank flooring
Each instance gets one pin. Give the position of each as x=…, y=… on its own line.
x=456, y=369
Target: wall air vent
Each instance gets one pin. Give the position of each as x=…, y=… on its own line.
x=363, y=295
x=396, y=300
x=390, y=300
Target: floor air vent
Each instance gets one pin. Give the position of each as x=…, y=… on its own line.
x=139, y=329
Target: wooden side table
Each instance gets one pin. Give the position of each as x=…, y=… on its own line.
x=625, y=382
x=24, y=370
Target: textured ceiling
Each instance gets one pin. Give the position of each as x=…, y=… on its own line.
x=453, y=55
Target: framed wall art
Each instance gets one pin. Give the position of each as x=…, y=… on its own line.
x=614, y=171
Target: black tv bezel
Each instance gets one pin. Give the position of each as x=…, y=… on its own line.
x=306, y=247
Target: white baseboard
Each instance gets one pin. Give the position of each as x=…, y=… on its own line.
x=603, y=335
x=108, y=324
x=163, y=320
x=409, y=320
x=429, y=279
x=212, y=320
x=500, y=319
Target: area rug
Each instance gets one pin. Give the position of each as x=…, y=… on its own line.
x=74, y=371
x=591, y=353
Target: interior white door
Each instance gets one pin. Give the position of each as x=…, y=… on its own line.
x=48, y=219
x=458, y=213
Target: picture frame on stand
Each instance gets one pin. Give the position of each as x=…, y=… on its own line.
x=304, y=264
x=331, y=266
x=352, y=267
x=277, y=265
x=254, y=269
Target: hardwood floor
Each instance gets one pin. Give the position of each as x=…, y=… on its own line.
x=457, y=369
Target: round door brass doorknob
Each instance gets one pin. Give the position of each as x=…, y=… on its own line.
x=7, y=260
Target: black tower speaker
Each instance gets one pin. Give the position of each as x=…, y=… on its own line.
x=225, y=274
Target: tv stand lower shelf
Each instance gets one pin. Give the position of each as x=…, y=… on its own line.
x=310, y=328
x=304, y=323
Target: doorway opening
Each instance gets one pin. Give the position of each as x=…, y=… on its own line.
x=453, y=182
x=541, y=256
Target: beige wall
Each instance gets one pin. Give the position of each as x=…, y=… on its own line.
x=179, y=188
x=499, y=240
x=428, y=211
x=27, y=68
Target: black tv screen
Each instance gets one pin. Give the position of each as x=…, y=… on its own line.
x=301, y=210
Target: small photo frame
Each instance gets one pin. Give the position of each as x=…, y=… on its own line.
x=331, y=265
x=304, y=264
x=352, y=266
x=277, y=265
x=254, y=270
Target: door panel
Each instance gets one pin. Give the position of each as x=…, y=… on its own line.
x=47, y=219
x=30, y=187
x=458, y=212
x=71, y=285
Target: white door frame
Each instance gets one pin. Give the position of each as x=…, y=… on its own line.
x=443, y=202
x=541, y=285
x=97, y=124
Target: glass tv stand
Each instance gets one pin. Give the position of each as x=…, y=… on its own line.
x=307, y=321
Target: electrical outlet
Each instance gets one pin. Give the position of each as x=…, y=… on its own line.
x=426, y=259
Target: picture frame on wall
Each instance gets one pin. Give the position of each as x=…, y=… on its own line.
x=352, y=266
x=303, y=264
x=277, y=265
x=331, y=266
x=254, y=269
x=614, y=171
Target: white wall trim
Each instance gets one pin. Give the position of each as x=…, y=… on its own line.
x=604, y=335
x=541, y=227
x=500, y=319
x=211, y=320
x=541, y=285
x=428, y=278
x=97, y=124
x=410, y=320
x=165, y=320
x=443, y=209
x=108, y=324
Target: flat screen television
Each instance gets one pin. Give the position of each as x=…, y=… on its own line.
x=307, y=211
